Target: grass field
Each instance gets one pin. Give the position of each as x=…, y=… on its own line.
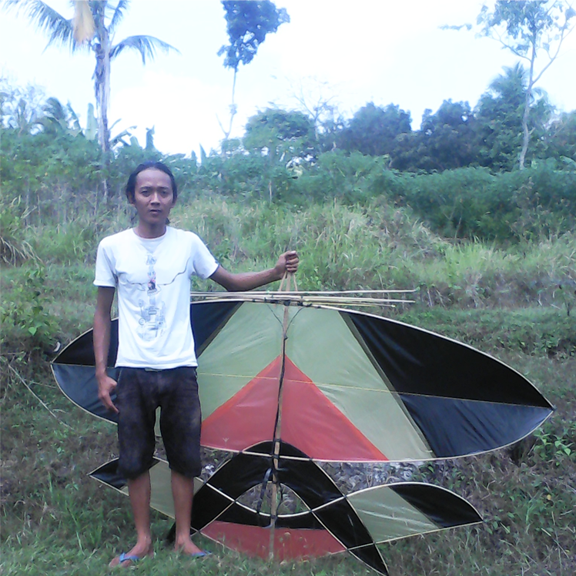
x=55, y=520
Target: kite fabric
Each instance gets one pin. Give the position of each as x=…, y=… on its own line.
x=286, y=384
x=352, y=387
x=332, y=522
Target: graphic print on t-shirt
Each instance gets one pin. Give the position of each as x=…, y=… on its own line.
x=152, y=320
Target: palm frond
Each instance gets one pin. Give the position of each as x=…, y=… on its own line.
x=58, y=29
x=55, y=109
x=146, y=45
x=83, y=22
x=118, y=15
x=73, y=119
x=59, y=119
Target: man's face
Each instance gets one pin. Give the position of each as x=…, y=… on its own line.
x=153, y=197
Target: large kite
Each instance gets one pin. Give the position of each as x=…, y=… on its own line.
x=285, y=383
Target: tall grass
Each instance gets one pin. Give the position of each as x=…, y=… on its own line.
x=380, y=246
x=376, y=246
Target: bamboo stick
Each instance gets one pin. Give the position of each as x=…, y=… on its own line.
x=299, y=298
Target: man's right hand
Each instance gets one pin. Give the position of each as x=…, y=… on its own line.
x=106, y=386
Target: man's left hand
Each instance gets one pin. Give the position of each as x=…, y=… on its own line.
x=287, y=263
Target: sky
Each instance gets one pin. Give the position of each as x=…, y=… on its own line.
x=350, y=53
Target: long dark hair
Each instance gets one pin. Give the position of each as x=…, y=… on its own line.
x=131, y=185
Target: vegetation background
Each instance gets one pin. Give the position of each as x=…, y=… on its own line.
x=488, y=243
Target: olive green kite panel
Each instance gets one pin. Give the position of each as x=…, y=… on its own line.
x=322, y=346
x=371, y=411
x=161, y=488
x=243, y=348
x=387, y=516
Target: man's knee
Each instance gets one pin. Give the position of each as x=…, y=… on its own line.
x=132, y=468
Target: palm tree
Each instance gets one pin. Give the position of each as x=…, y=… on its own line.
x=92, y=27
x=59, y=119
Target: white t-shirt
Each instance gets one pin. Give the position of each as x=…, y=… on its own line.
x=152, y=278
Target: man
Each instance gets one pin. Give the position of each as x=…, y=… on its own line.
x=150, y=266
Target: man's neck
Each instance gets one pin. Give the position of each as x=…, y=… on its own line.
x=149, y=232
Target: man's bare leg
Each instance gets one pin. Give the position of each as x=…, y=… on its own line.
x=139, y=490
x=183, y=492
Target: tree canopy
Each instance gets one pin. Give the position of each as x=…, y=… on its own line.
x=533, y=30
x=247, y=24
x=51, y=171
x=373, y=130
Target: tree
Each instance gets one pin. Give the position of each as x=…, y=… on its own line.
x=312, y=100
x=529, y=28
x=373, y=130
x=92, y=28
x=285, y=138
x=280, y=132
x=499, y=117
x=21, y=108
x=59, y=119
x=247, y=26
x=446, y=140
x=562, y=136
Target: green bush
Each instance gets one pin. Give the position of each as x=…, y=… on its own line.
x=26, y=322
x=472, y=203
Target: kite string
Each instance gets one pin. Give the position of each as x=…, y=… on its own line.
x=288, y=283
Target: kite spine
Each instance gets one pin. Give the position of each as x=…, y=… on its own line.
x=286, y=281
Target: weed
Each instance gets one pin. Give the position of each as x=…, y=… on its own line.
x=14, y=249
x=24, y=314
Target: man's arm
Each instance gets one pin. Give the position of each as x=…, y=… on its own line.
x=101, y=336
x=287, y=263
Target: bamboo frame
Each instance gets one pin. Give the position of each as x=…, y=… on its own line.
x=311, y=298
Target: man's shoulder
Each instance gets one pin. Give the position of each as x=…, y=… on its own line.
x=118, y=237
x=183, y=235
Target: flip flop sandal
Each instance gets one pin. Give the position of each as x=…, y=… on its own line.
x=128, y=558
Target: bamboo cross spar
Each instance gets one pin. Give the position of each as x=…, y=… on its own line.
x=288, y=292
x=330, y=298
